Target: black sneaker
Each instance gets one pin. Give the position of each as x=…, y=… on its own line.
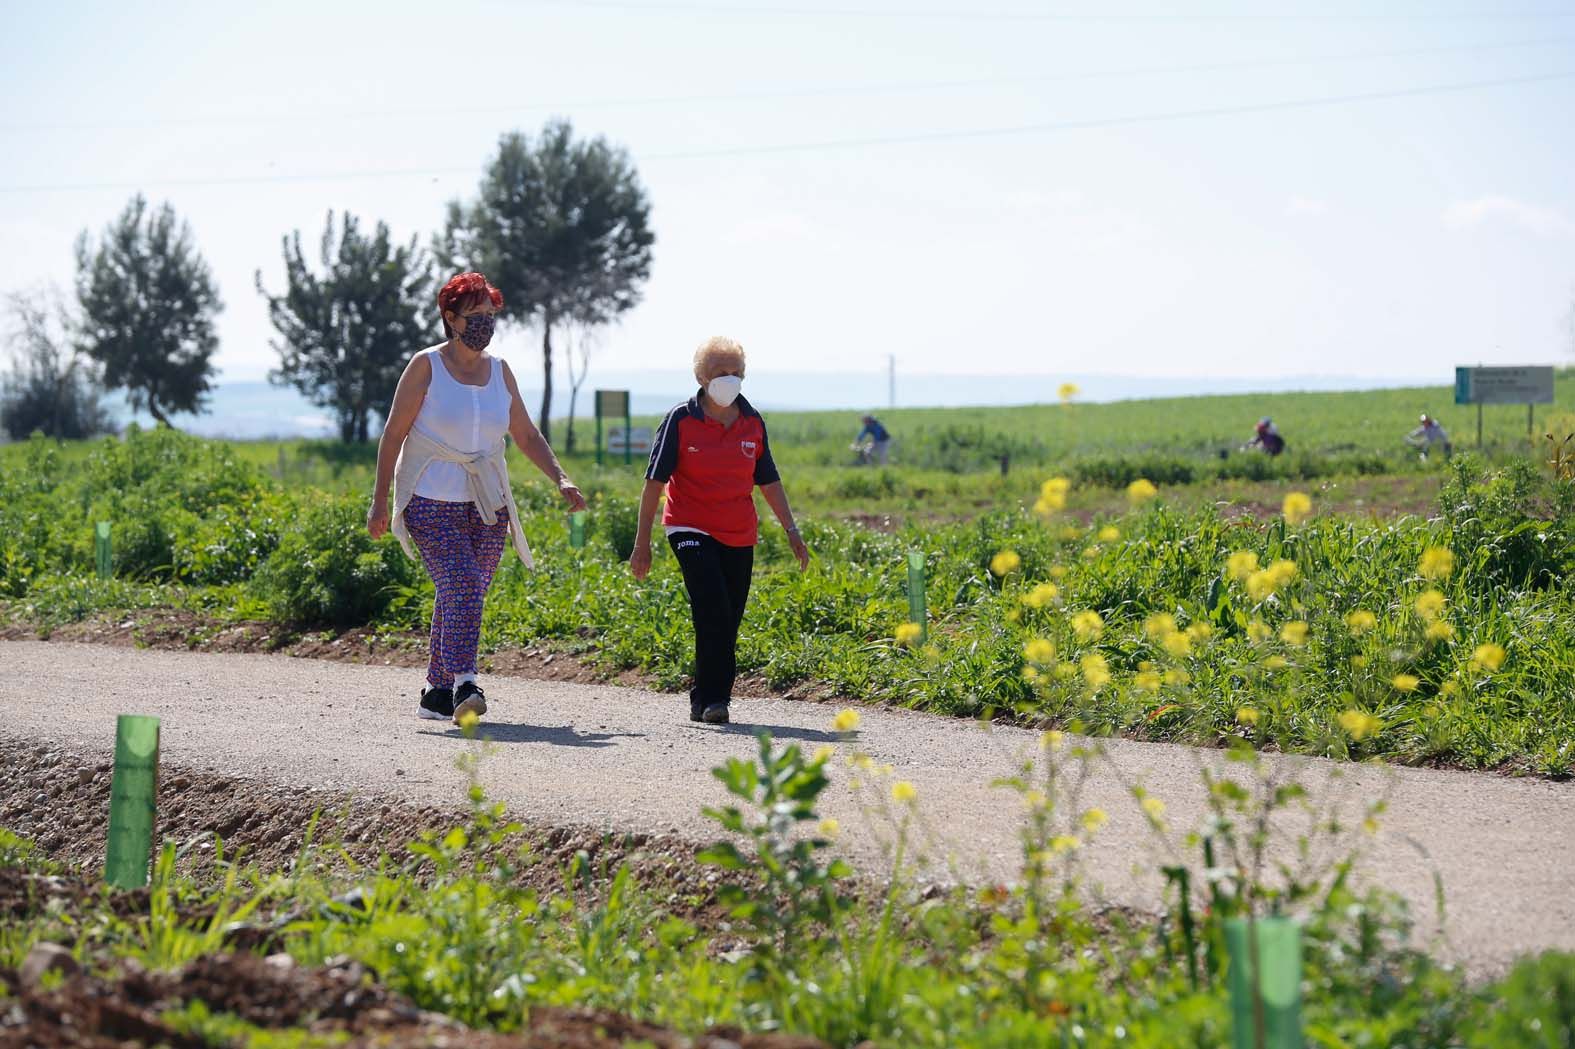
x=437, y=704
x=715, y=714
x=469, y=699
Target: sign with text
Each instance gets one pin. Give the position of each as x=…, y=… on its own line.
x=1527, y=384
x=611, y=404
x=640, y=444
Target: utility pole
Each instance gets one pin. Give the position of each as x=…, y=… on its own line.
x=891, y=380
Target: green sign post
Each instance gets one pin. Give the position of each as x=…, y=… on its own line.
x=610, y=404
x=1265, y=983
x=917, y=613
x=133, y=794
x=103, y=556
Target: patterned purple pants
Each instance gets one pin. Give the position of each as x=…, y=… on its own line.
x=461, y=554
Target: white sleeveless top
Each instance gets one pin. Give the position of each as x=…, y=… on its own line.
x=466, y=418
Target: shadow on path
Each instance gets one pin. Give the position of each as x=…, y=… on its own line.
x=555, y=735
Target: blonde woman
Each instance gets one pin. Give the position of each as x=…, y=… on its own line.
x=442, y=450
x=709, y=454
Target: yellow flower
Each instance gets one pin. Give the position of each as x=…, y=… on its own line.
x=1296, y=508
x=1177, y=676
x=1035, y=799
x=1178, y=644
x=1247, y=715
x=1041, y=595
x=1052, y=496
x=1055, y=486
x=1430, y=605
x=1141, y=491
x=909, y=633
x=1294, y=633
x=1065, y=671
x=1032, y=676
x=829, y=828
x=1095, y=670
x=1200, y=632
x=1488, y=657
x=1146, y=681
x=1276, y=663
x=1241, y=564
x=1109, y=534
x=1094, y=819
x=1052, y=740
x=1058, y=572
x=1370, y=825
x=1360, y=621
x=862, y=762
x=1359, y=724
x=1261, y=585
x=1063, y=843
x=468, y=721
x=1283, y=572
x=1259, y=631
x=1039, y=650
x=1088, y=625
x=1159, y=624
x=1448, y=688
x=1437, y=563
x=1004, y=562
x=1044, y=508
x=1405, y=682
x=1066, y=391
x=1154, y=809
x=1440, y=631
x=846, y=720
x=824, y=752
x=902, y=790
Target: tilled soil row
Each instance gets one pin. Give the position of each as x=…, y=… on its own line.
x=60, y=799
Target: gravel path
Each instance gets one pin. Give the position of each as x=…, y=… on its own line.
x=624, y=759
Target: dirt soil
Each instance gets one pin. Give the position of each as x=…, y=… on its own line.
x=60, y=799
x=342, y=997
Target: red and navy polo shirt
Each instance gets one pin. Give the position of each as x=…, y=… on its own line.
x=711, y=471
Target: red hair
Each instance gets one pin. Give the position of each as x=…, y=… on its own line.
x=464, y=291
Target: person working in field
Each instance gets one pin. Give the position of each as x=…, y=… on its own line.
x=452, y=500
x=879, y=447
x=709, y=454
x=1266, y=437
x=1429, y=433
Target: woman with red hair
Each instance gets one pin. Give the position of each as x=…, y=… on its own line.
x=442, y=451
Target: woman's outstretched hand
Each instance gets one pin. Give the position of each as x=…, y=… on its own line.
x=800, y=550
x=571, y=495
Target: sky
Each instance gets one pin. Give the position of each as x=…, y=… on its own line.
x=981, y=187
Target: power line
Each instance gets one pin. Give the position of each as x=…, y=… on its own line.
x=804, y=92
x=621, y=6
x=853, y=143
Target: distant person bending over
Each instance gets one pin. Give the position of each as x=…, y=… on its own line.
x=880, y=440
x=1428, y=434
x=452, y=499
x=709, y=454
x=1267, y=438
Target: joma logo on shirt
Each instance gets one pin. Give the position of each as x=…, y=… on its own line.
x=748, y=448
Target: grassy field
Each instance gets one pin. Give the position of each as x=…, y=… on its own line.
x=1428, y=604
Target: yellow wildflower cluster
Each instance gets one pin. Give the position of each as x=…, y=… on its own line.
x=847, y=720
x=1358, y=724
x=1360, y=622
x=1158, y=625
x=1052, y=496
x=1108, y=534
x=1241, y=564
x=1095, y=670
x=1258, y=631
x=1041, y=595
x=1141, y=491
x=1066, y=391
x=1488, y=657
x=909, y=633
x=829, y=828
x=1440, y=631
x=1094, y=820
x=903, y=791
x=1146, y=681
x=1154, y=809
x=1296, y=508
x=1005, y=562
x=1294, y=633
x=1247, y=715
x=1405, y=682
x=1430, y=605
x=1040, y=650
x=1088, y=625
x=1437, y=563
x=1264, y=583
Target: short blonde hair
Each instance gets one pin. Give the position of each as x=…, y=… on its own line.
x=716, y=351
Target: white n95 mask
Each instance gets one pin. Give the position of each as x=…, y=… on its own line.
x=724, y=389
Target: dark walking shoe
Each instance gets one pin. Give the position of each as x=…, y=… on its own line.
x=469, y=699
x=437, y=704
x=715, y=714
